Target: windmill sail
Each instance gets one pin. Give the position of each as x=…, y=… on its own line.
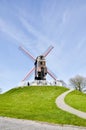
x=26, y=52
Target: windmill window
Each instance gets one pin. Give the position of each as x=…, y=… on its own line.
x=41, y=63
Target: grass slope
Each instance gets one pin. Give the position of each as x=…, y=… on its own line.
x=77, y=100
x=36, y=103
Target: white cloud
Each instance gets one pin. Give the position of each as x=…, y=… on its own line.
x=13, y=32
x=41, y=41
x=33, y=31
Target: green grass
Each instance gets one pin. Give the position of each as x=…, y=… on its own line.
x=77, y=100
x=36, y=103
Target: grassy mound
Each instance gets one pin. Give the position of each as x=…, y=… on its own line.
x=77, y=100
x=36, y=103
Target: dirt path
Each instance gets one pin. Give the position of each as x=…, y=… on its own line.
x=62, y=105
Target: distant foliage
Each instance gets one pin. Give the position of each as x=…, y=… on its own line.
x=0, y=90
x=78, y=82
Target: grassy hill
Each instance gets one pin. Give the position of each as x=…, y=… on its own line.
x=77, y=100
x=36, y=103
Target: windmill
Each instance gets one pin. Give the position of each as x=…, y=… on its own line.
x=40, y=68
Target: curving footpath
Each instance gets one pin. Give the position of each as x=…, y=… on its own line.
x=62, y=105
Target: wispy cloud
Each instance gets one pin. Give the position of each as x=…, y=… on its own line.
x=13, y=32
x=41, y=41
x=31, y=29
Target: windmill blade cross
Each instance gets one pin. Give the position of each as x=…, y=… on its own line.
x=48, y=50
x=51, y=74
x=26, y=52
x=29, y=73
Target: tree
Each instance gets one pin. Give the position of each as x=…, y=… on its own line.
x=78, y=82
x=0, y=90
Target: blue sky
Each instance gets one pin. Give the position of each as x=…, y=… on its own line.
x=36, y=24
